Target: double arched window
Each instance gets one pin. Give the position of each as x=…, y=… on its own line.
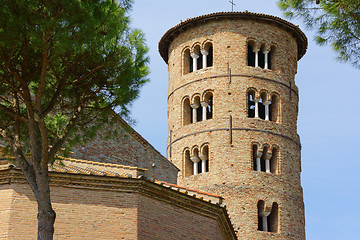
x=200, y=108
x=263, y=106
x=265, y=158
x=259, y=54
x=196, y=160
x=268, y=216
x=198, y=57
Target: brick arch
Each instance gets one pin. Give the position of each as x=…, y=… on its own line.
x=264, y=94
x=205, y=95
x=195, y=150
x=194, y=98
x=206, y=44
x=252, y=41
x=196, y=48
x=204, y=145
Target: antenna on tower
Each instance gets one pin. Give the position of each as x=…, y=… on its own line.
x=232, y=5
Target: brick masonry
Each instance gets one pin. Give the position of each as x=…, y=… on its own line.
x=231, y=173
x=100, y=207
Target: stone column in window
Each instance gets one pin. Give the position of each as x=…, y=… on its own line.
x=267, y=162
x=203, y=162
x=256, y=51
x=264, y=216
x=267, y=110
x=194, y=58
x=258, y=160
x=195, y=160
x=266, y=53
x=204, y=105
x=204, y=58
x=256, y=100
x=194, y=115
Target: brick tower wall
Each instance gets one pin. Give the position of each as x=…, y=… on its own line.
x=231, y=156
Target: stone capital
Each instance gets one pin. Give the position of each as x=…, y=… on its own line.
x=264, y=214
x=204, y=104
x=195, y=159
x=195, y=105
x=203, y=157
x=268, y=156
x=256, y=49
x=259, y=153
x=194, y=55
x=267, y=103
x=204, y=52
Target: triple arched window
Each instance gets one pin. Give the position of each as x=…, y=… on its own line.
x=259, y=54
x=265, y=158
x=198, y=57
x=268, y=216
x=263, y=106
x=196, y=160
x=199, y=108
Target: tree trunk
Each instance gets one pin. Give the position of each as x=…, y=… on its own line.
x=46, y=214
x=46, y=220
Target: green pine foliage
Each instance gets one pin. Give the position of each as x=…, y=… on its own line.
x=67, y=67
x=337, y=23
x=68, y=62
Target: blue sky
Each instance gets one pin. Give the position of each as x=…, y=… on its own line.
x=329, y=113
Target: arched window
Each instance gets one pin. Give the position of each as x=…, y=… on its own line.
x=207, y=55
x=188, y=164
x=207, y=106
x=204, y=156
x=262, y=104
x=261, y=56
x=267, y=218
x=196, y=113
x=273, y=218
x=260, y=209
x=274, y=160
x=256, y=158
x=187, y=66
x=251, y=53
x=196, y=59
x=196, y=161
x=186, y=111
x=274, y=108
x=251, y=103
x=264, y=160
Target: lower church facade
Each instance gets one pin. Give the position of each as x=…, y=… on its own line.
x=110, y=200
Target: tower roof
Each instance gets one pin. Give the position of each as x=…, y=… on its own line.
x=173, y=32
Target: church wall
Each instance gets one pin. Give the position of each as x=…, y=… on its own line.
x=6, y=196
x=129, y=149
x=81, y=214
x=100, y=207
x=163, y=221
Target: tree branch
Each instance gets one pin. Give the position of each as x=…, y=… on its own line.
x=43, y=71
x=58, y=144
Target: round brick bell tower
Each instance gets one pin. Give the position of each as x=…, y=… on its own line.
x=232, y=115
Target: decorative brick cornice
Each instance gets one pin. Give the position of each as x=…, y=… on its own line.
x=189, y=23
